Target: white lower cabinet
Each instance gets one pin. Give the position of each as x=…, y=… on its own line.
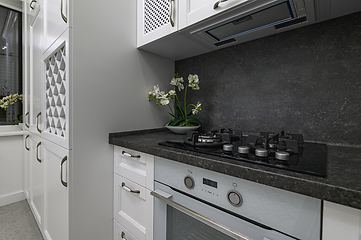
x=341, y=222
x=56, y=192
x=133, y=204
x=120, y=233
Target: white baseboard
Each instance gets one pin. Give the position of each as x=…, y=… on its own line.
x=11, y=198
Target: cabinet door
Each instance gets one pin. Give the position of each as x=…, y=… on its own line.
x=193, y=11
x=56, y=192
x=135, y=166
x=56, y=20
x=120, y=233
x=33, y=86
x=340, y=222
x=37, y=178
x=133, y=208
x=55, y=95
x=156, y=19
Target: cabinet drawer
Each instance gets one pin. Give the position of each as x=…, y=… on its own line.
x=133, y=210
x=121, y=233
x=135, y=166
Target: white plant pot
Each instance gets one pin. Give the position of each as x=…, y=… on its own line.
x=182, y=130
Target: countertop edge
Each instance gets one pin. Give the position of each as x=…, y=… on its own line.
x=319, y=190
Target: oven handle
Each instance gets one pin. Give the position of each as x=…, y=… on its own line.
x=164, y=197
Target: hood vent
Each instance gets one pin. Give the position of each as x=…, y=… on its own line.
x=255, y=20
x=267, y=17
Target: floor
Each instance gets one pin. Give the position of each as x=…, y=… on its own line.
x=18, y=223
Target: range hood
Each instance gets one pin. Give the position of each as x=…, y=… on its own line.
x=254, y=19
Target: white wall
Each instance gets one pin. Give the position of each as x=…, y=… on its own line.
x=11, y=167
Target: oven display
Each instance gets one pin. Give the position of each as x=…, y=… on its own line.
x=209, y=182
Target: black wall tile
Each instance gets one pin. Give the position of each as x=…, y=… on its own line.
x=306, y=80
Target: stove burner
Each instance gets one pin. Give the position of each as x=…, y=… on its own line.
x=209, y=138
x=281, y=150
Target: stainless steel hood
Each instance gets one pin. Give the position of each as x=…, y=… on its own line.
x=254, y=19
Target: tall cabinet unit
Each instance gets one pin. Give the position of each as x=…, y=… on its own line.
x=33, y=12
x=89, y=69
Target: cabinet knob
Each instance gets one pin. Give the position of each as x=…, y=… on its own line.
x=31, y=4
x=123, y=236
x=26, y=147
x=171, y=13
x=217, y=3
x=130, y=155
x=65, y=184
x=65, y=19
x=37, y=152
x=128, y=189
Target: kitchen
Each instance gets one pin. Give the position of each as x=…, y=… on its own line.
x=319, y=107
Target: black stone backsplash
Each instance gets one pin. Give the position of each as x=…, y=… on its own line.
x=306, y=80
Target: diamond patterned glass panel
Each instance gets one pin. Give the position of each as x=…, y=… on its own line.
x=55, y=66
x=156, y=14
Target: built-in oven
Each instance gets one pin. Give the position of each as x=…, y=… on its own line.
x=197, y=204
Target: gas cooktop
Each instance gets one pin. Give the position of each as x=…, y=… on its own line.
x=279, y=150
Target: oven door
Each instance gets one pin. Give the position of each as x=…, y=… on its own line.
x=179, y=217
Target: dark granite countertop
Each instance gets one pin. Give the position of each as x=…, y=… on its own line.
x=342, y=183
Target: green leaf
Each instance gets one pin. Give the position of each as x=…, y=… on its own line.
x=194, y=121
x=175, y=122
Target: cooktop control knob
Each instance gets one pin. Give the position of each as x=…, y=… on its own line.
x=243, y=149
x=234, y=198
x=261, y=152
x=227, y=147
x=283, y=156
x=189, y=182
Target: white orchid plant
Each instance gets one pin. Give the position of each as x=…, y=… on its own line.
x=5, y=102
x=181, y=115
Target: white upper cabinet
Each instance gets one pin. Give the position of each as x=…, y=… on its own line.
x=193, y=11
x=156, y=19
x=56, y=19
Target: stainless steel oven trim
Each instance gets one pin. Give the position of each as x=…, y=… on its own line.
x=164, y=197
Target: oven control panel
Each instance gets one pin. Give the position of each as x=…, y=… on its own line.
x=274, y=207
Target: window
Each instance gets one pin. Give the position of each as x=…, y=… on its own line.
x=10, y=62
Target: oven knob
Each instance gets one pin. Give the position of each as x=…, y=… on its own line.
x=284, y=156
x=189, y=182
x=234, y=198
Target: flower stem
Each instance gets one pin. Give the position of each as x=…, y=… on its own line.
x=185, y=103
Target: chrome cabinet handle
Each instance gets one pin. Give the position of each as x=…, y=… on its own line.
x=37, y=152
x=130, y=155
x=37, y=122
x=62, y=15
x=65, y=184
x=199, y=217
x=217, y=3
x=26, y=147
x=31, y=4
x=25, y=120
x=171, y=13
x=128, y=189
x=123, y=236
